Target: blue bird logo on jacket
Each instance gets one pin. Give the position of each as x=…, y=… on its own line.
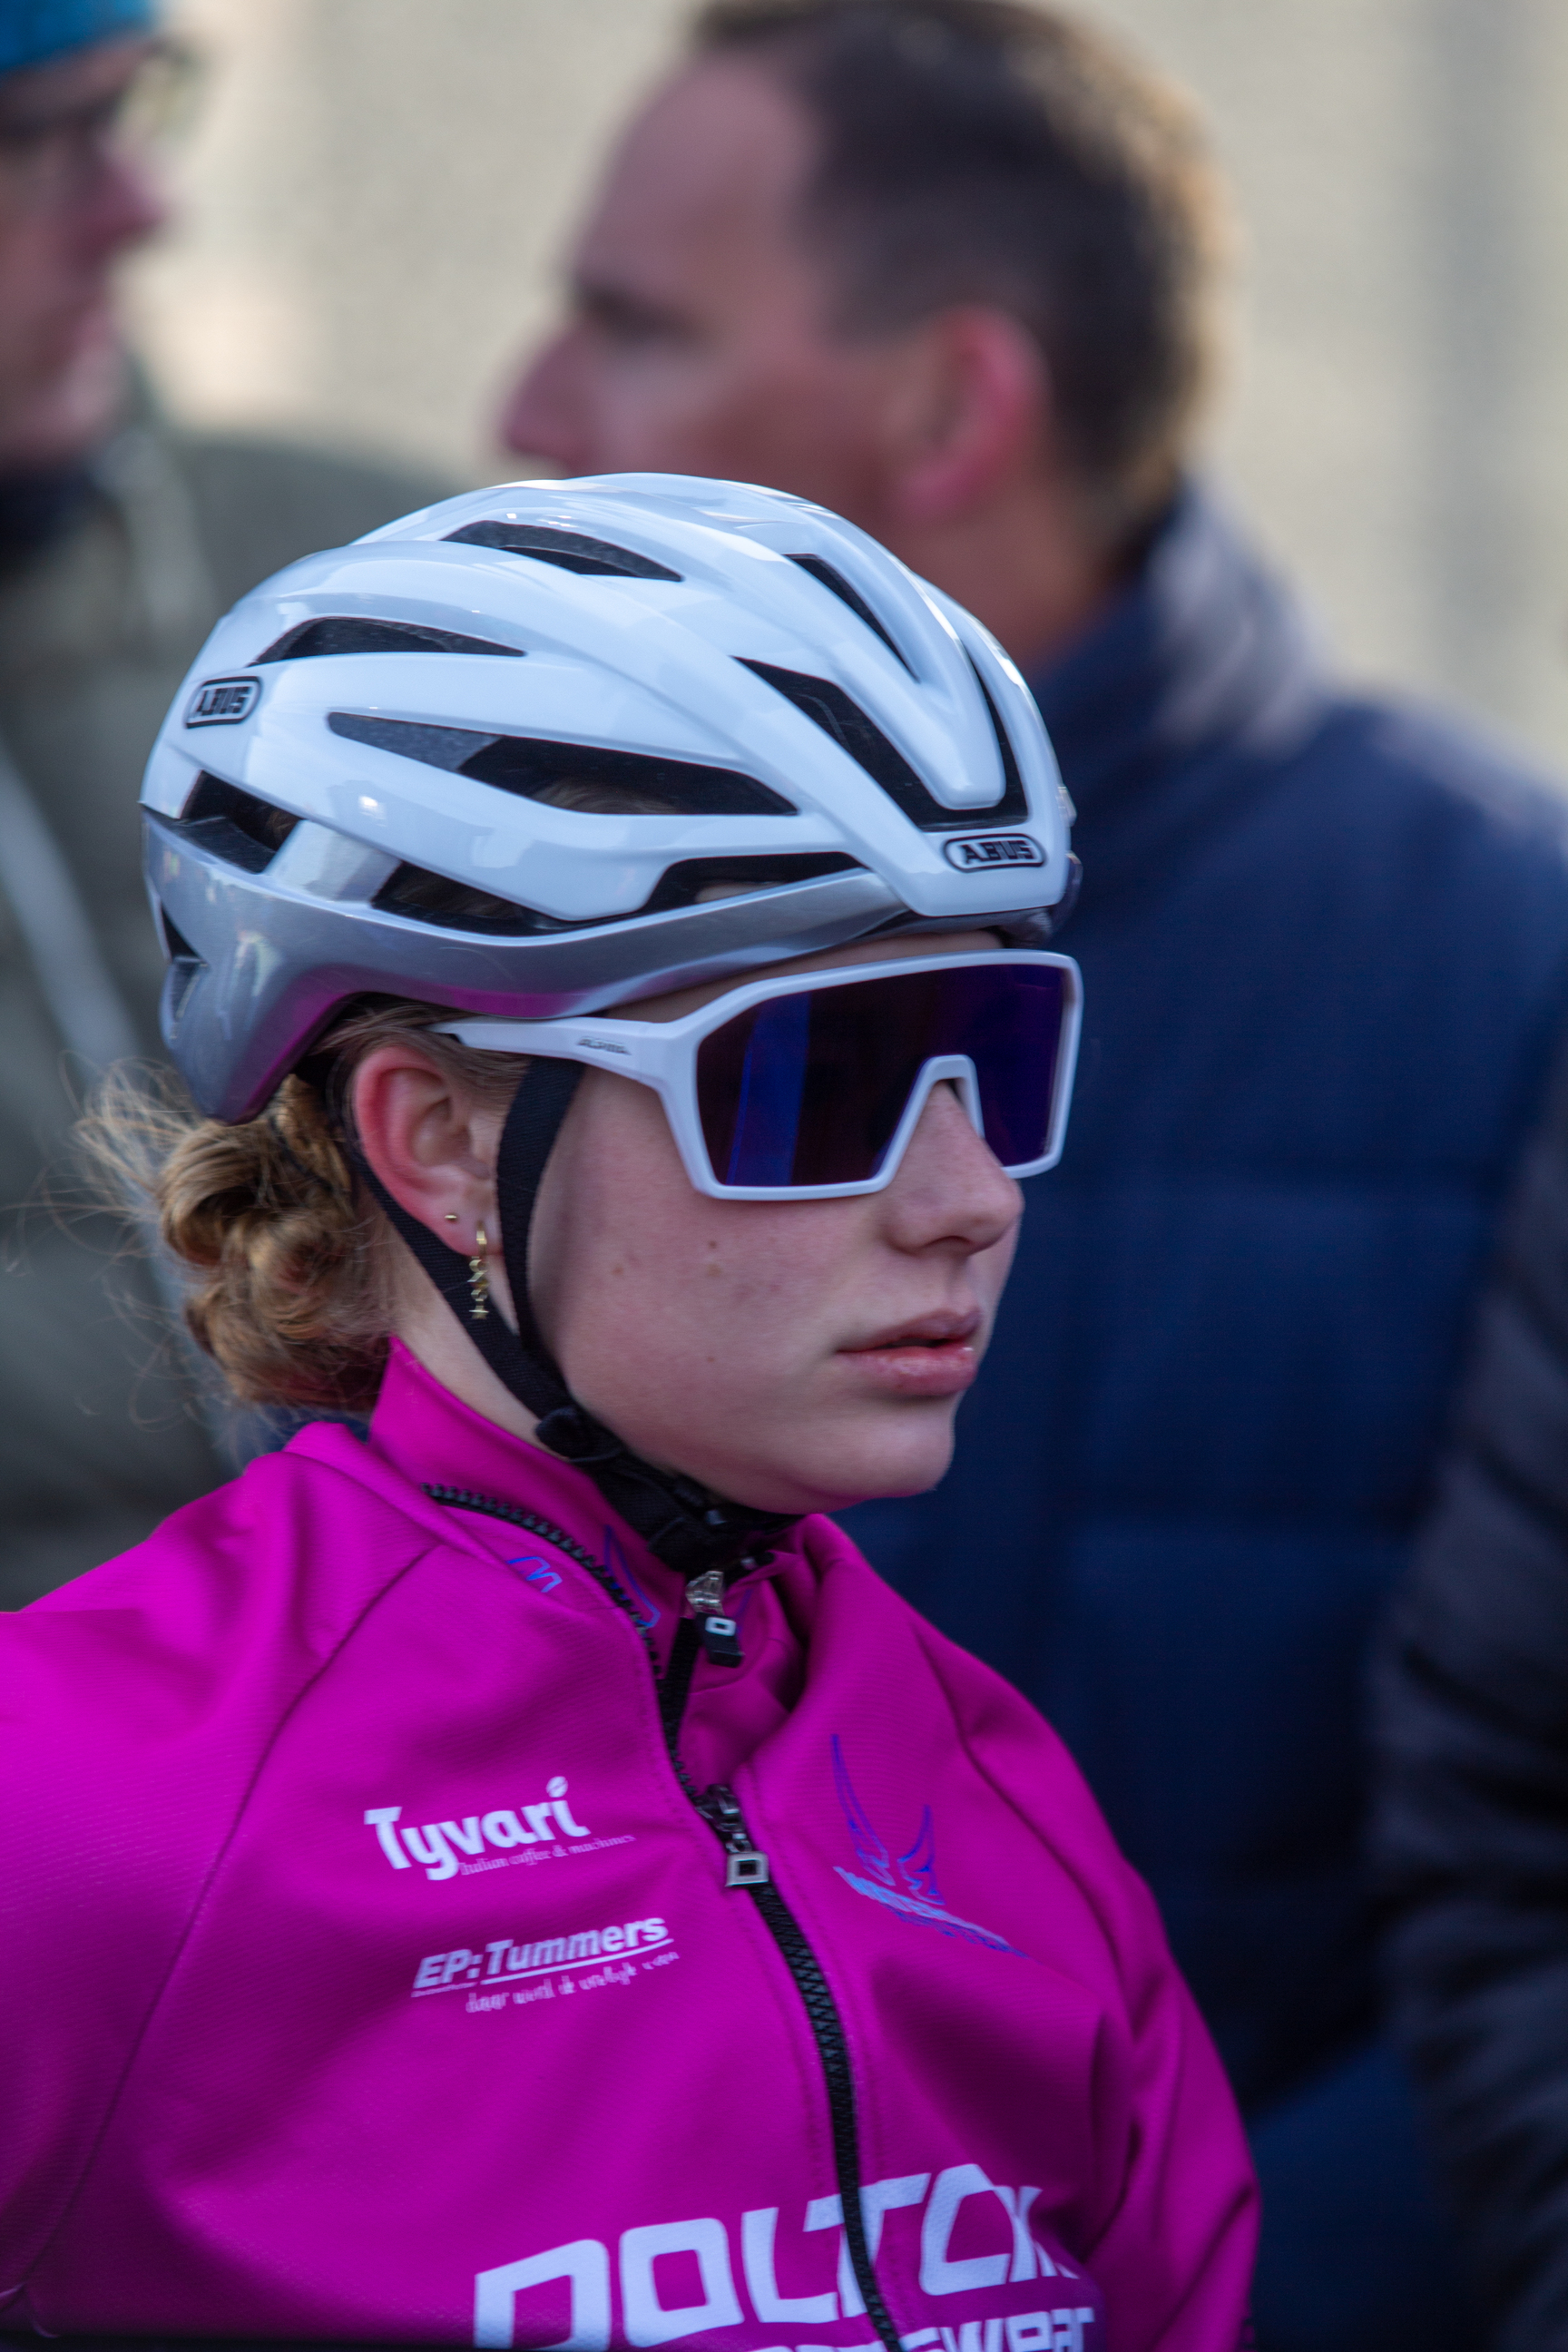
x=905, y=1883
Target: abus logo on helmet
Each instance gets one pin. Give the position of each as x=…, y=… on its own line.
x=982, y=849
x=439, y=1845
x=222, y=701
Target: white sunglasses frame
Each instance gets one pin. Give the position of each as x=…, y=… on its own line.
x=663, y=1054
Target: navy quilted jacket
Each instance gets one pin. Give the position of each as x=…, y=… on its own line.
x=1325, y=950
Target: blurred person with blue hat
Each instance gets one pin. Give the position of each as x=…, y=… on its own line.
x=121, y=540
x=33, y=31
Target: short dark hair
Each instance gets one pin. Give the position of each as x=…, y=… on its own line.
x=993, y=151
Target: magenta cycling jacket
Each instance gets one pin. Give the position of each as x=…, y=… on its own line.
x=369, y=1973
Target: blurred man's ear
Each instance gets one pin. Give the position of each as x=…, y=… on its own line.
x=968, y=417
x=974, y=488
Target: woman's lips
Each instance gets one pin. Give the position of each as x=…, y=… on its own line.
x=934, y=1356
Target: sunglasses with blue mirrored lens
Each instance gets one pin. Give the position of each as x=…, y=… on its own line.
x=809, y=1087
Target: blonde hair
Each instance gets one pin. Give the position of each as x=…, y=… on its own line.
x=282, y=1248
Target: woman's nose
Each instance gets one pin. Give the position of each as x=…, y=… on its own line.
x=950, y=1190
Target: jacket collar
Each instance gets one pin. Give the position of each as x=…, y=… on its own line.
x=432, y=1439
x=1203, y=671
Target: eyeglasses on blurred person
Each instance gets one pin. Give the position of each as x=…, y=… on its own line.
x=122, y=539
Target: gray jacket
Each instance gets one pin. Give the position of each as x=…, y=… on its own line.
x=102, y=1432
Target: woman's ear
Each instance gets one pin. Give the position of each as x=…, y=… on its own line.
x=430, y=1141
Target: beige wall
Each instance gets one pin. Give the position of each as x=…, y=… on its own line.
x=377, y=190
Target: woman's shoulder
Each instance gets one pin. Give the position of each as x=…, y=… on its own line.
x=218, y=1616
x=137, y=1706
x=138, y=1703
x=986, y=1707
x=1005, y=1739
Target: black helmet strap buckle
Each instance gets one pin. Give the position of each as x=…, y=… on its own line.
x=691, y=1529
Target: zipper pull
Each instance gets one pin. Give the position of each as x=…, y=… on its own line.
x=720, y=1632
x=744, y=1865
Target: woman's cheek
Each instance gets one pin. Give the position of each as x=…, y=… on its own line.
x=989, y=1271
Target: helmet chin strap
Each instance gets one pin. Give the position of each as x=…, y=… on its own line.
x=685, y=1525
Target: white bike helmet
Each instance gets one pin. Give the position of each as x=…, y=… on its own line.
x=387, y=774
x=346, y=796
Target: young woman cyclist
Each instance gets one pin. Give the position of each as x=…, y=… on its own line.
x=516, y=1875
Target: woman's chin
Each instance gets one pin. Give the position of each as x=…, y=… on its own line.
x=839, y=1477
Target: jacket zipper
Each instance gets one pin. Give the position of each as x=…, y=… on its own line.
x=744, y=1866
x=717, y=1630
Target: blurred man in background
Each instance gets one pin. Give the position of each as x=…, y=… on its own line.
x=949, y=267
x=121, y=543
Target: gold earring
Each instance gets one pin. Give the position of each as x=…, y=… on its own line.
x=479, y=1278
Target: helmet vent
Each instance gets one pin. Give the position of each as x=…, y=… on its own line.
x=185, y=968
x=828, y=707
x=536, y=769
x=1013, y=807
x=570, y=551
x=697, y=879
x=427, y=898
x=235, y=826
x=350, y=633
x=836, y=586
